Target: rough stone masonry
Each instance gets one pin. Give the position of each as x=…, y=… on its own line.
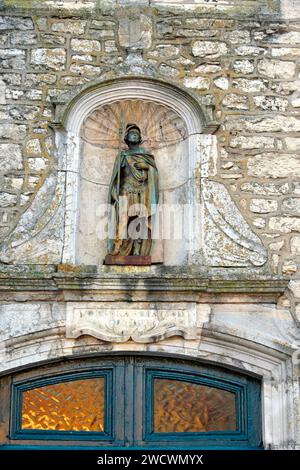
x=241, y=59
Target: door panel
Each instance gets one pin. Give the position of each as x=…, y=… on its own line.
x=241, y=426
x=133, y=401
x=70, y=418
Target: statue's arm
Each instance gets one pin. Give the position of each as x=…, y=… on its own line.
x=141, y=166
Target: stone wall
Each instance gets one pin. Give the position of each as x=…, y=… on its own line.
x=239, y=60
x=245, y=71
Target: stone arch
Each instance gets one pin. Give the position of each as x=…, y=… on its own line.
x=72, y=117
x=222, y=349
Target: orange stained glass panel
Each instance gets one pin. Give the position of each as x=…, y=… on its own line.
x=77, y=405
x=189, y=407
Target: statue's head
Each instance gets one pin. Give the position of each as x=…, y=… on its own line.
x=132, y=134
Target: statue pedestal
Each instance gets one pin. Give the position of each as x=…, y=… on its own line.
x=128, y=260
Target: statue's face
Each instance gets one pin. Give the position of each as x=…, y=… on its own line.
x=133, y=136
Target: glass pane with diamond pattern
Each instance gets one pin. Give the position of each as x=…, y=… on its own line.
x=77, y=405
x=191, y=407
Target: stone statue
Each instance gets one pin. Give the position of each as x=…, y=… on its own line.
x=133, y=197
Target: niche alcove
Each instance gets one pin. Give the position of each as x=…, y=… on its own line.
x=170, y=121
x=165, y=134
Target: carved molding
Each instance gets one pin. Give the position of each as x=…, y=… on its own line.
x=142, y=325
x=160, y=126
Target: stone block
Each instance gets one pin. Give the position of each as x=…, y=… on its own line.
x=222, y=83
x=37, y=164
x=135, y=31
x=265, y=189
x=12, y=58
x=12, y=131
x=102, y=34
x=2, y=92
x=248, y=85
x=13, y=94
x=7, y=199
x=250, y=51
x=285, y=88
x=259, y=222
x=208, y=69
x=15, y=22
x=295, y=245
x=54, y=59
x=263, y=206
x=295, y=100
x=292, y=143
x=276, y=68
x=10, y=157
x=278, y=123
x=211, y=49
x=234, y=101
x=291, y=205
x=34, y=95
x=252, y=142
x=289, y=267
x=284, y=224
x=87, y=46
x=52, y=40
x=24, y=38
x=274, y=166
x=84, y=69
x=285, y=52
x=165, y=51
x=273, y=103
x=243, y=66
x=276, y=246
x=3, y=40
x=12, y=183
x=102, y=24
x=198, y=83
x=21, y=112
x=290, y=38
x=69, y=26
x=73, y=80
x=39, y=78
x=110, y=46
x=171, y=72
x=238, y=36
x=33, y=147
x=42, y=24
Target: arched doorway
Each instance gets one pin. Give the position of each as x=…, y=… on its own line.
x=131, y=401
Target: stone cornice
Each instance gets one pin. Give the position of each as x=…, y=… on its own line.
x=236, y=9
x=78, y=279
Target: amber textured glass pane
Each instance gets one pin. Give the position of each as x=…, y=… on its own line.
x=69, y=406
x=188, y=407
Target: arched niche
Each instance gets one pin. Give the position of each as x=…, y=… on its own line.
x=170, y=120
x=165, y=134
x=175, y=127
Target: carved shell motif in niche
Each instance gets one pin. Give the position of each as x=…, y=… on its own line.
x=159, y=125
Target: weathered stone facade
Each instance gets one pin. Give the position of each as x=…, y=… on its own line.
x=238, y=61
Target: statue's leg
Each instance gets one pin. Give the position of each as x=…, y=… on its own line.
x=137, y=247
x=146, y=245
x=126, y=247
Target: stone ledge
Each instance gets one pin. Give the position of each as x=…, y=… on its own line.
x=155, y=279
x=233, y=8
